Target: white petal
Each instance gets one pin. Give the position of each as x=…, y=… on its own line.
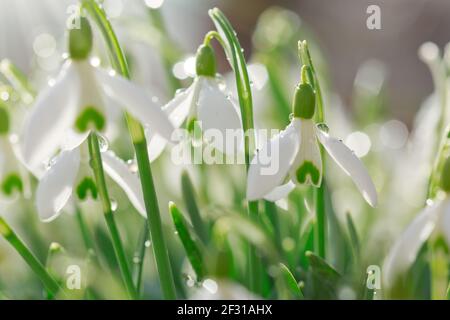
x=270, y=165
x=137, y=102
x=155, y=145
x=55, y=187
x=350, y=164
x=53, y=113
x=405, y=249
x=177, y=110
x=118, y=170
x=179, y=107
x=280, y=192
x=217, y=112
x=308, y=161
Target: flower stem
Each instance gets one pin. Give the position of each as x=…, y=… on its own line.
x=140, y=146
x=49, y=282
x=97, y=167
x=320, y=225
x=234, y=52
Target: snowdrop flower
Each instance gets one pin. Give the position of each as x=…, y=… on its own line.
x=69, y=174
x=433, y=220
x=205, y=101
x=75, y=104
x=294, y=156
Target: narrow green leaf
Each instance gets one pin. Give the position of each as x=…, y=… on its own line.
x=354, y=239
x=192, y=249
x=322, y=268
x=49, y=282
x=189, y=197
x=290, y=281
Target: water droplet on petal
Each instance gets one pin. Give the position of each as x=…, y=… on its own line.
x=210, y=285
x=291, y=116
x=132, y=166
x=323, y=127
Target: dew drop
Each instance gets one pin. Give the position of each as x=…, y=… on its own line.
x=136, y=260
x=291, y=116
x=103, y=143
x=147, y=243
x=323, y=127
x=114, y=204
x=210, y=285
x=132, y=166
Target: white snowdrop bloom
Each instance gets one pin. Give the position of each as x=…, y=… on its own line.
x=205, y=101
x=293, y=156
x=69, y=174
x=433, y=220
x=75, y=104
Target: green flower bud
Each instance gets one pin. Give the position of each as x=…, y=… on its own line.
x=445, y=178
x=4, y=121
x=80, y=40
x=205, y=62
x=304, y=103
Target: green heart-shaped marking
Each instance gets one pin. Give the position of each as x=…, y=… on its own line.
x=12, y=183
x=89, y=119
x=85, y=186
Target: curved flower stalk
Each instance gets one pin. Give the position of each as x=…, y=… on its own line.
x=70, y=173
x=207, y=101
x=75, y=104
x=296, y=155
x=431, y=222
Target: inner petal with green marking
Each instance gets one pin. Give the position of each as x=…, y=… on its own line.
x=308, y=173
x=87, y=185
x=90, y=119
x=12, y=183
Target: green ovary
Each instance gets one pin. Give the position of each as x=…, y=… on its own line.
x=89, y=119
x=85, y=186
x=12, y=183
x=308, y=169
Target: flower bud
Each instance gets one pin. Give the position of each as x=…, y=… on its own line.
x=304, y=103
x=205, y=62
x=80, y=39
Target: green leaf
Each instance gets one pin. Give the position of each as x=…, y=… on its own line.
x=290, y=281
x=354, y=239
x=189, y=198
x=246, y=229
x=193, y=251
x=323, y=280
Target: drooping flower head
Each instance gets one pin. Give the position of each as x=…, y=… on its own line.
x=65, y=114
x=206, y=101
x=76, y=103
x=295, y=156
